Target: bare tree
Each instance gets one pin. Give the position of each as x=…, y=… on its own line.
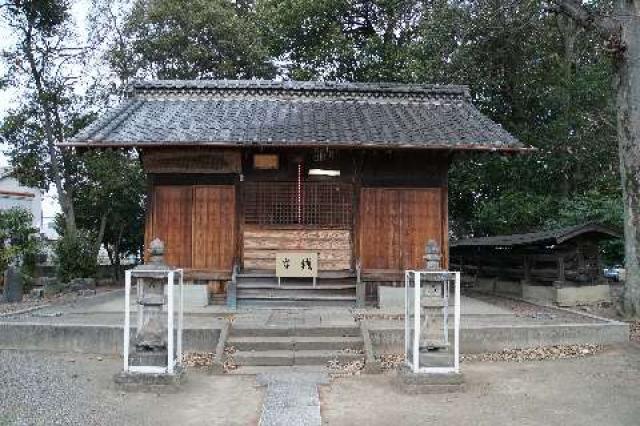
x=621, y=37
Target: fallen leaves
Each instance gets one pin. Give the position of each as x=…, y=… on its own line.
x=536, y=354
x=390, y=361
x=345, y=369
x=634, y=331
x=198, y=359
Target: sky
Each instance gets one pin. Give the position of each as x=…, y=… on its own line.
x=10, y=97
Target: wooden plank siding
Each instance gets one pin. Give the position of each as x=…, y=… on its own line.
x=196, y=223
x=214, y=229
x=332, y=245
x=395, y=224
x=171, y=222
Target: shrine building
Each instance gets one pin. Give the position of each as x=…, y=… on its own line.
x=346, y=178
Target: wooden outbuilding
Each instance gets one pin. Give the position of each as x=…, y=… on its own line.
x=562, y=265
x=240, y=171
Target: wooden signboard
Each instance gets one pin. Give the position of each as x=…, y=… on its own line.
x=200, y=161
x=297, y=265
x=265, y=161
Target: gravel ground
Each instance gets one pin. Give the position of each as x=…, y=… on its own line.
x=43, y=388
x=603, y=389
x=37, y=388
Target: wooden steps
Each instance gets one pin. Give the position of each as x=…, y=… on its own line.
x=261, y=288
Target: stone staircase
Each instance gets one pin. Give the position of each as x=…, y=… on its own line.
x=294, y=346
x=261, y=288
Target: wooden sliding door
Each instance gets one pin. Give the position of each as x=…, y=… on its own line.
x=214, y=227
x=196, y=223
x=395, y=224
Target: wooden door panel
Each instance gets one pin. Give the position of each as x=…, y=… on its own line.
x=214, y=227
x=422, y=214
x=171, y=222
x=395, y=225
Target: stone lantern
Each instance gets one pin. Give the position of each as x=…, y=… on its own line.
x=432, y=363
x=433, y=304
x=154, y=359
x=151, y=336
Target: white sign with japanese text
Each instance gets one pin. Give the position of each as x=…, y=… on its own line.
x=297, y=264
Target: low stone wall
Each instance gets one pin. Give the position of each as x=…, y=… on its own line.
x=544, y=294
x=389, y=340
x=96, y=339
x=498, y=286
x=561, y=295
x=572, y=296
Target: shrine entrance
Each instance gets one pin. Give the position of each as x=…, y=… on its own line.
x=300, y=216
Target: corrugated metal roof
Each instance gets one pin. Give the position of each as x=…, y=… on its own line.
x=556, y=236
x=255, y=112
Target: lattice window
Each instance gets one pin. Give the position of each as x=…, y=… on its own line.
x=309, y=204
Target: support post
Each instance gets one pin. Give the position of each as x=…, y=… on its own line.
x=456, y=325
x=127, y=318
x=170, y=358
x=416, y=322
x=180, y=316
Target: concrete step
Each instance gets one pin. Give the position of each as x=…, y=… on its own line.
x=286, y=294
x=316, y=357
x=262, y=343
x=272, y=274
x=298, y=331
x=287, y=357
x=288, y=303
x=276, y=369
x=270, y=285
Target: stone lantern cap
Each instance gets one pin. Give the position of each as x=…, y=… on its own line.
x=156, y=267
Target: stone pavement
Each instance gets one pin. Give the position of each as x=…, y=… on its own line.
x=291, y=398
x=107, y=309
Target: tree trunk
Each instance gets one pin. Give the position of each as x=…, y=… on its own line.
x=101, y=230
x=117, y=252
x=628, y=122
x=64, y=196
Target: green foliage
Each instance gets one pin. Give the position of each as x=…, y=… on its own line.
x=361, y=40
x=591, y=206
x=17, y=236
x=110, y=195
x=204, y=39
x=598, y=207
x=18, y=241
x=512, y=212
x=75, y=256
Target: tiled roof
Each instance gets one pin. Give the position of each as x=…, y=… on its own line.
x=556, y=236
x=255, y=112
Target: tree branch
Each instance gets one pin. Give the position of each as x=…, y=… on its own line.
x=605, y=25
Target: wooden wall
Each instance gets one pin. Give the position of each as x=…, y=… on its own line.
x=399, y=203
x=333, y=246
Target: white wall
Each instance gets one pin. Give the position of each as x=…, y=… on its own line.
x=10, y=190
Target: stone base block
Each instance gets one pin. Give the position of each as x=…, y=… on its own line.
x=145, y=382
x=436, y=358
x=420, y=383
x=155, y=358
